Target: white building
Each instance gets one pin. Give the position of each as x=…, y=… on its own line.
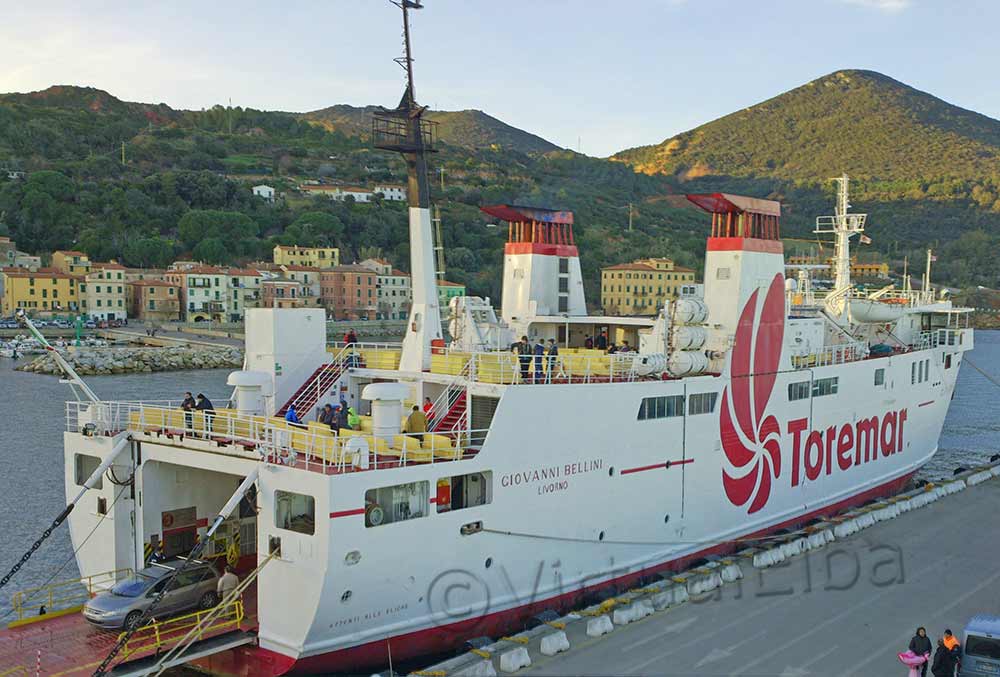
x=394, y=292
x=265, y=192
x=103, y=292
x=391, y=192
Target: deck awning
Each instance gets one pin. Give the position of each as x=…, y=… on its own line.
x=723, y=203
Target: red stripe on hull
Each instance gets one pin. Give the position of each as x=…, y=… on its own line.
x=440, y=640
x=347, y=513
x=926, y=404
x=744, y=244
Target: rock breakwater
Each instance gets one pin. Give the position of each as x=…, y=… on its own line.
x=93, y=361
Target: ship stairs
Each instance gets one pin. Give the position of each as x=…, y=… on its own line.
x=321, y=381
x=454, y=402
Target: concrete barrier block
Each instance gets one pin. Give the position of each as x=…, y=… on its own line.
x=557, y=642
x=866, y=520
x=979, y=478
x=513, y=660
x=645, y=608
x=482, y=668
x=731, y=572
x=995, y=471
x=600, y=625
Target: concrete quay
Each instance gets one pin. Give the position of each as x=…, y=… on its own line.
x=821, y=604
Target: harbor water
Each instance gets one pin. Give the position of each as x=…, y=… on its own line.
x=33, y=419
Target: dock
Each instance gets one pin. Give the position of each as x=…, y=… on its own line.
x=846, y=608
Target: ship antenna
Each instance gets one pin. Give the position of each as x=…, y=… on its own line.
x=842, y=225
x=403, y=130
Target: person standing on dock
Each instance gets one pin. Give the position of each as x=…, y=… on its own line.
x=921, y=645
x=954, y=646
x=944, y=661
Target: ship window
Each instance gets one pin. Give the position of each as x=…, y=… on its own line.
x=85, y=467
x=563, y=304
x=880, y=377
x=947, y=361
x=295, y=512
x=661, y=407
x=798, y=391
x=563, y=266
x=464, y=491
x=722, y=273
x=397, y=503
x=824, y=386
x=701, y=403
x=563, y=285
x=913, y=373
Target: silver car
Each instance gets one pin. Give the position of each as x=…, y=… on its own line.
x=123, y=605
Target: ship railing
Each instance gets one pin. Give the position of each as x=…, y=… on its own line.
x=311, y=445
x=939, y=337
x=159, y=636
x=839, y=353
x=62, y=596
x=508, y=368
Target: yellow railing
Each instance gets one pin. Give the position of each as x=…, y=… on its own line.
x=161, y=635
x=63, y=595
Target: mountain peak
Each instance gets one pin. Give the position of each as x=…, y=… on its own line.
x=859, y=121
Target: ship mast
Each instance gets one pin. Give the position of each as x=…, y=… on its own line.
x=842, y=225
x=404, y=131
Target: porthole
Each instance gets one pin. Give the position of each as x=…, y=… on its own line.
x=611, y=471
x=346, y=596
x=666, y=518
x=489, y=562
x=600, y=536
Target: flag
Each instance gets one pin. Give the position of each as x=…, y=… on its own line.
x=865, y=239
x=933, y=258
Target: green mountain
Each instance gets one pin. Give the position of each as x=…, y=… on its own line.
x=869, y=125
x=467, y=128
x=183, y=189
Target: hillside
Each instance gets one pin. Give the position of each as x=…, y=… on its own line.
x=184, y=187
x=467, y=128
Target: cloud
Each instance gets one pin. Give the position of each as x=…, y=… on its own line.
x=887, y=6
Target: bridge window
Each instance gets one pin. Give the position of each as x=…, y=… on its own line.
x=824, y=386
x=464, y=491
x=701, y=403
x=661, y=407
x=397, y=503
x=295, y=512
x=798, y=391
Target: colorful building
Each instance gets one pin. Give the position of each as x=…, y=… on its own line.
x=153, y=300
x=312, y=257
x=102, y=293
x=395, y=295
x=43, y=292
x=71, y=262
x=349, y=292
x=204, y=293
x=281, y=293
x=310, y=291
x=641, y=287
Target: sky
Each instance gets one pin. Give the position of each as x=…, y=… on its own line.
x=595, y=76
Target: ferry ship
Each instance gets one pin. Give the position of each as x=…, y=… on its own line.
x=754, y=403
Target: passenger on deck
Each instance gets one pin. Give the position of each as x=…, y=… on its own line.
x=553, y=355
x=588, y=342
x=325, y=414
x=335, y=419
x=539, y=360
x=204, y=405
x=291, y=415
x=353, y=420
x=524, y=358
x=343, y=417
x=416, y=423
x=188, y=405
x=612, y=349
x=625, y=348
x=350, y=337
x=602, y=341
